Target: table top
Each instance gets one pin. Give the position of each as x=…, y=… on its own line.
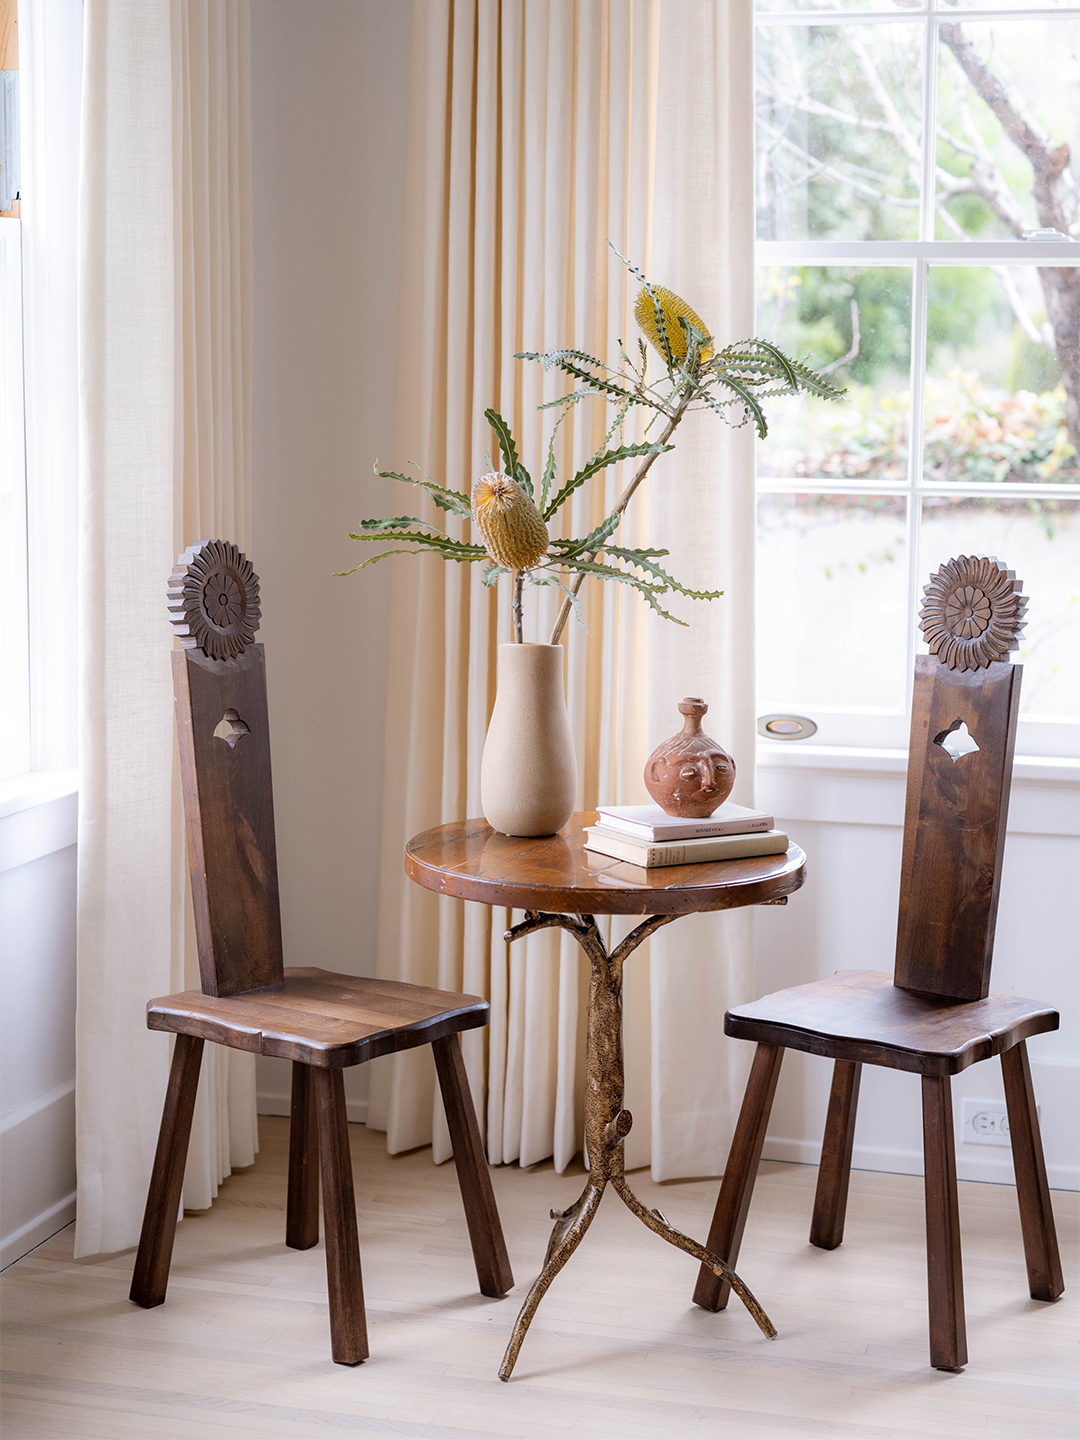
x=470, y=860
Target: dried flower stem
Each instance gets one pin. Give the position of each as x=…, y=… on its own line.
x=685, y=396
x=517, y=604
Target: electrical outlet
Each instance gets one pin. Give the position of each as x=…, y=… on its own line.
x=986, y=1122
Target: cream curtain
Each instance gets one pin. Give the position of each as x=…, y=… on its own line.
x=165, y=379
x=539, y=130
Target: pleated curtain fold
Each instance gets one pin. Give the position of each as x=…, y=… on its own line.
x=540, y=130
x=165, y=358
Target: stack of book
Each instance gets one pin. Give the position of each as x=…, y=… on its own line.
x=646, y=835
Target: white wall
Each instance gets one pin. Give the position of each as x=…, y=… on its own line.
x=328, y=124
x=850, y=824
x=37, y=1018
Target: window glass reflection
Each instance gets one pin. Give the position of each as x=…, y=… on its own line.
x=832, y=600
x=839, y=126
x=1003, y=375
x=856, y=324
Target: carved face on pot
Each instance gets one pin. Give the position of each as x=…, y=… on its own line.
x=690, y=775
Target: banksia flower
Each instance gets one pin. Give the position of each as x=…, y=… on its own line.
x=671, y=307
x=510, y=525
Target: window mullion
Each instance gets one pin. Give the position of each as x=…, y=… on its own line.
x=916, y=431
x=919, y=289
x=929, y=146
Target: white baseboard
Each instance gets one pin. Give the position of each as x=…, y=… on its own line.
x=37, y=1171
x=13, y=1247
x=271, y=1102
x=993, y=1168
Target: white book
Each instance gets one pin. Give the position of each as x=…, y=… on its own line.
x=649, y=823
x=602, y=841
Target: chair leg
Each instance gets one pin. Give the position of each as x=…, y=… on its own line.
x=830, y=1200
x=945, y=1276
x=348, y=1323
x=1036, y=1215
x=151, y=1276
x=302, y=1216
x=729, y=1218
x=485, y=1230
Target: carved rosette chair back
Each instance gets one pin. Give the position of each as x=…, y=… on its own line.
x=935, y=1015
x=321, y=1021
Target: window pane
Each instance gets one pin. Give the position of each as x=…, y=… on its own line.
x=1008, y=77
x=1040, y=540
x=764, y=7
x=832, y=601
x=1003, y=380
x=839, y=125
x=859, y=320
x=1010, y=4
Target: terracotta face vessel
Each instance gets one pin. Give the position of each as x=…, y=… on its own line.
x=690, y=775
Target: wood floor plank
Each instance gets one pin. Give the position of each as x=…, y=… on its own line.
x=239, y=1349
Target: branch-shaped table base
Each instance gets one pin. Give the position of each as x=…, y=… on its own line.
x=606, y=1124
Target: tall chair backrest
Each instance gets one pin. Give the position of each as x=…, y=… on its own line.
x=219, y=684
x=963, y=733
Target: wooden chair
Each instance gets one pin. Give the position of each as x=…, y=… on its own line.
x=320, y=1021
x=934, y=1017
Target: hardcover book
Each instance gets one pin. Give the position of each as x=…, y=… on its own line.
x=604, y=841
x=648, y=823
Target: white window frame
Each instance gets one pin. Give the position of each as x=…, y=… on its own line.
x=888, y=729
x=44, y=664
x=14, y=616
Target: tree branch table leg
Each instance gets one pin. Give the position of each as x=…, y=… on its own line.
x=570, y=1227
x=606, y=1123
x=662, y=1226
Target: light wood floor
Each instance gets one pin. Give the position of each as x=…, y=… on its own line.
x=241, y=1349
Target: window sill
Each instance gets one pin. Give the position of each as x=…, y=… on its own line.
x=39, y=814
x=37, y=787
x=832, y=784
x=851, y=760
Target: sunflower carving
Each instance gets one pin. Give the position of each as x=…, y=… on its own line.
x=973, y=612
x=214, y=599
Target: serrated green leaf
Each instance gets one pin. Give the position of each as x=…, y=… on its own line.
x=591, y=543
x=598, y=462
x=760, y=362
x=511, y=461
x=372, y=560
x=549, y=465
x=551, y=358
x=696, y=341
x=610, y=572
x=644, y=560
x=452, y=500
x=397, y=522
x=492, y=573
x=564, y=360
x=751, y=408
x=443, y=544
x=661, y=324
x=571, y=398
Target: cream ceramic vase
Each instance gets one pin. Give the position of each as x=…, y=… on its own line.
x=528, y=776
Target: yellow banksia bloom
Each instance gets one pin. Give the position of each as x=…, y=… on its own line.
x=510, y=525
x=672, y=307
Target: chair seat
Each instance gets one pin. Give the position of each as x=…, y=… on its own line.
x=861, y=1015
x=321, y=1018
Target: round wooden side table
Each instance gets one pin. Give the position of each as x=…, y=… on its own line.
x=557, y=882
